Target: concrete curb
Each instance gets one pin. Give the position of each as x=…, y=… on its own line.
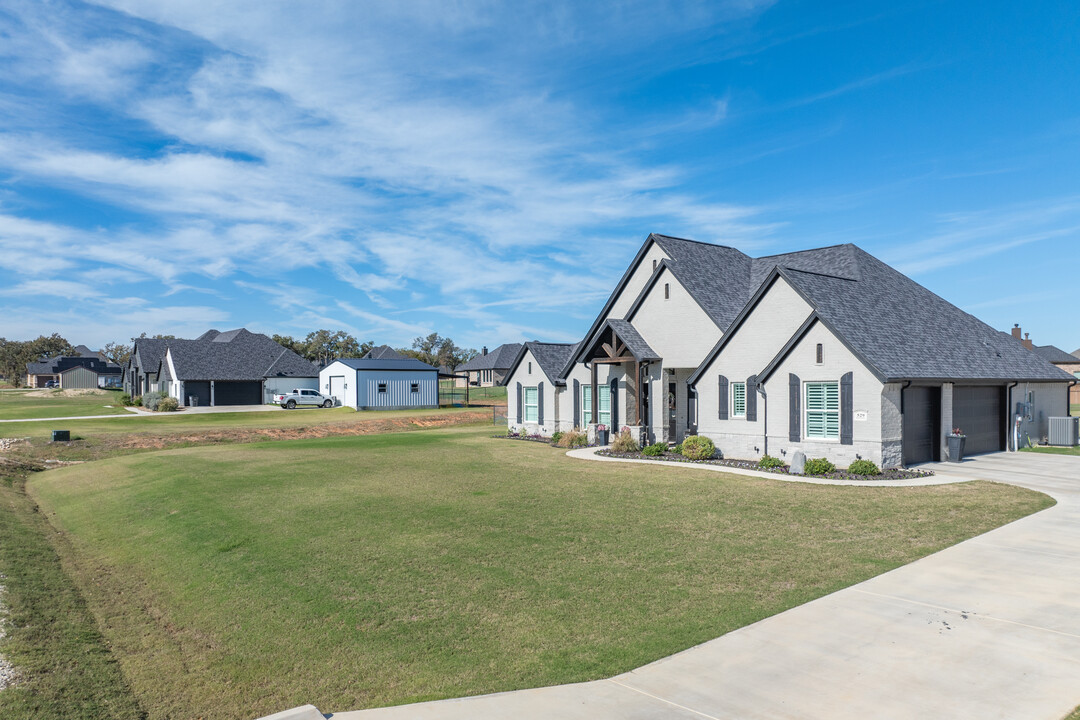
x=304, y=712
x=590, y=454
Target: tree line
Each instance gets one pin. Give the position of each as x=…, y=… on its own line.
x=319, y=346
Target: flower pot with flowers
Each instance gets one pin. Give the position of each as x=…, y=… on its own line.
x=956, y=440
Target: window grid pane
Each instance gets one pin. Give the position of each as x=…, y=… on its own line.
x=603, y=400
x=530, y=405
x=823, y=410
x=738, y=399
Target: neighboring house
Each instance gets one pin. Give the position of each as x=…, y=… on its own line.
x=96, y=371
x=1067, y=362
x=383, y=352
x=489, y=369
x=829, y=351
x=372, y=384
x=237, y=367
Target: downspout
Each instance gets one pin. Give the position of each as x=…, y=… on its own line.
x=904, y=386
x=1010, y=421
x=764, y=416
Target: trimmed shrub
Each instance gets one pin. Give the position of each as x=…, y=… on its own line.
x=818, y=466
x=151, y=399
x=556, y=436
x=655, y=450
x=677, y=449
x=137, y=401
x=768, y=461
x=625, y=442
x=698, y=447
x=573, y=439
x=168, y=404
x=864, y=467
x=125, y=400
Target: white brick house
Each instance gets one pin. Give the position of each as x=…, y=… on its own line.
x=829, y=351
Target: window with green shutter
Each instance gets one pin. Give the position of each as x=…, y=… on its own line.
x=738, y=400
x=823, y=410
x=531, y=405
x=604, y=401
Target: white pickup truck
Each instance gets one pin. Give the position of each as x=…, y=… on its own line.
x=303, y=396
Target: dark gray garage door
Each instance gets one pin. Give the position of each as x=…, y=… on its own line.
x=237, y=393
x=922, y=424
x=979, y=413
x=197, y=393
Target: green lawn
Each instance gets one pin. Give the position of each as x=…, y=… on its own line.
x=1075, y=450
x=351, y=572
x=1074, y=409
x=21, y=405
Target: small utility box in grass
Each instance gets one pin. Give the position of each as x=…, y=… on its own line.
x=61, y=435
x=956, y=446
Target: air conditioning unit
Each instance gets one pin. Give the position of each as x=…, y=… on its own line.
x=1065, y=431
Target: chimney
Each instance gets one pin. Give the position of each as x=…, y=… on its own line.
x=1027, y=341
x=484, y=351
x=1016, y=331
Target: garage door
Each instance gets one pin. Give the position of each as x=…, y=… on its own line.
x=922, y=423
x=237, y=393
x=979, y=412
x=197, y=393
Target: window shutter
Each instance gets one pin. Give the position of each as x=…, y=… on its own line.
x=540, y=403
x=751, y=398
x=615, y=404
x=577, y=404
x=794, y=390
x=520, y=404
x=722, y=401
x=847, y=402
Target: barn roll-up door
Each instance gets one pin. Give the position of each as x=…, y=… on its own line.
x=979, y=413
x=922, y=424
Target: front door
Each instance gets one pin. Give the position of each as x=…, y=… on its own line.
x=673, y=415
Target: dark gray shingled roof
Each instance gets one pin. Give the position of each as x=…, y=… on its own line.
x=902, y=329
x=236, y=355
x=552, y=357
x=634, y=342
x=387, y=364
x=60, y=363
x=907, y=332
x=383, y=352
x=1053, y=354
x=501, y=358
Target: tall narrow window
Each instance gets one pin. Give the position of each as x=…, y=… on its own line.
x=820, y=354
x=823, y=410
x=667, y=291
x=738, y=400
x=531, y=406
x=604, y=401
x=530, y=368
x=654, y=264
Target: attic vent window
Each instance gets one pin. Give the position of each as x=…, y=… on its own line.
x=820, y=354
x=667, y=291
x=530, y=368
x=654, y=264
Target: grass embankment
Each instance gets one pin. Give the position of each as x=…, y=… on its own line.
x=361, y=571
x=64, y=664
x=22, y=405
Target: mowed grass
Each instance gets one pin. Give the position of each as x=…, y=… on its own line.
x=353, y=572
x=181, y=422
x=22, y=405
x=1053, y=450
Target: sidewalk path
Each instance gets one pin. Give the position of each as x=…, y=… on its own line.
x=989, y=628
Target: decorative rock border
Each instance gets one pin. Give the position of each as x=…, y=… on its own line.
x=592, y=454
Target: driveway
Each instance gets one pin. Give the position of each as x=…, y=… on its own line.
x=989, y=628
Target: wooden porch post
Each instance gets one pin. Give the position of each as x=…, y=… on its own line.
x=637, y=393
x=595, y=398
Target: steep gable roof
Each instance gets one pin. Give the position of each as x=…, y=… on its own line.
x=235, y=355
x=551, y=357
x=500, y=358
x=383, y=352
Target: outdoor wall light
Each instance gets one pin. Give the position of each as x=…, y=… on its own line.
x=783, y=452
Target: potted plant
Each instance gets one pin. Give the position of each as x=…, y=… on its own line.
x=956, y=441
x=601, y=435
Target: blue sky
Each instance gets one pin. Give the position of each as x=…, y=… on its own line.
x=487, y=171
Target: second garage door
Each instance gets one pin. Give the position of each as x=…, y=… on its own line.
x=237, y=393
x=979, y=413
x=922, y=421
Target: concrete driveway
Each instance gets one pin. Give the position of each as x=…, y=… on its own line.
x=989, y=628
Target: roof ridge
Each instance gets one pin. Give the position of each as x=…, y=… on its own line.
x=810, y=250
x=698, y=242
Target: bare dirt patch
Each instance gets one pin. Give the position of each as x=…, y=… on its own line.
x=65, y=393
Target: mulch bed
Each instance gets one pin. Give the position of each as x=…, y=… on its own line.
x=891, y=474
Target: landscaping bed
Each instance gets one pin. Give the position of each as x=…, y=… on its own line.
x=836, y=474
